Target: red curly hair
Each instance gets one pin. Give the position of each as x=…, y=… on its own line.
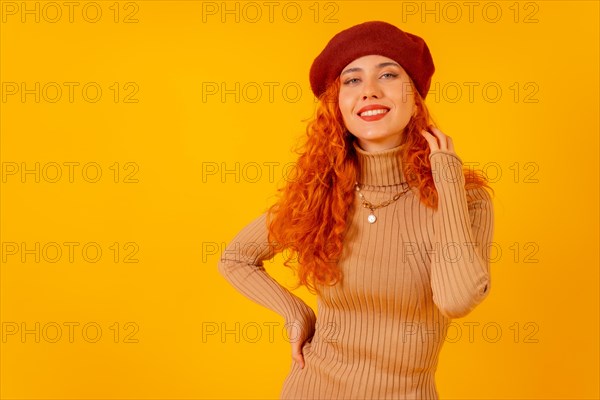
x=311, y=214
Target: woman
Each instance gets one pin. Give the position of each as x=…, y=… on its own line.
x=389, y=231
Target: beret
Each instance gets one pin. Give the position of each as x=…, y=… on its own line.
x=378, y=38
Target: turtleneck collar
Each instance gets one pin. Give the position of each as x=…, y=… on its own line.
x=379, y=168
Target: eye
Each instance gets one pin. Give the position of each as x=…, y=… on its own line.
x=351, y=80
x=390, y=74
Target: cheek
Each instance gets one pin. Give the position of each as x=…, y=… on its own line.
x=406, y=103
x=405, y=111
x=345, y=107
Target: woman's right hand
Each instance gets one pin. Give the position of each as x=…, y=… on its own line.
x=300, y=330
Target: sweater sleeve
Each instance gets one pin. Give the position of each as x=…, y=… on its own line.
x=460, y=270
x=241, y=264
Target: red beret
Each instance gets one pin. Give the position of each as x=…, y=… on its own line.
x=373, y=37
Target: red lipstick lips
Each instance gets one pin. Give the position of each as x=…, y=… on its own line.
x=377, y=111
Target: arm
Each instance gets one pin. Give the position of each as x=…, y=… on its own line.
x=241, y=264
x=460, y=276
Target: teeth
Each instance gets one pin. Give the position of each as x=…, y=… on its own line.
x=373, y=112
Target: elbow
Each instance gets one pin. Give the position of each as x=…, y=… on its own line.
x=226, y=267
x=229, y=260
x=454, y=310
x=235, y=266
x=463, y=306
x=222, y=268
x=226, y=264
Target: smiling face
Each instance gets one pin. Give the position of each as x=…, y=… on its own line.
x=376, y=100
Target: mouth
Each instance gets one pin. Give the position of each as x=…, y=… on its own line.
x=370, y=113
x=373, y=114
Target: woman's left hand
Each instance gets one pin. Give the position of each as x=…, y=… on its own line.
x=438, y=142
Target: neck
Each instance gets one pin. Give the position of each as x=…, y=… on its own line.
x=380, y=167
x=371, y=146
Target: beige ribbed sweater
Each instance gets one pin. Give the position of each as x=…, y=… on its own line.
x=379, y=335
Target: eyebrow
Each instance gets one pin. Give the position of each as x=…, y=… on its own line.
x=382, y=65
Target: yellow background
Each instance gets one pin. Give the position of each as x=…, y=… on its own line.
x=167, y=211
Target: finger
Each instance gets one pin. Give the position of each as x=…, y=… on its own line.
x=450, y=145
x=441, y=137
x=433, y=145
x=297, y=354
x=298, y=358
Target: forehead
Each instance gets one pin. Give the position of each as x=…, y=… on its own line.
x=369, y=62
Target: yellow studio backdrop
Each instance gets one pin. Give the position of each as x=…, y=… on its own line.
x=138, y=137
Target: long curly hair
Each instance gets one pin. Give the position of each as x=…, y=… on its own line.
x=309, y=219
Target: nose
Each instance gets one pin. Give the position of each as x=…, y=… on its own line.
x=371, y=89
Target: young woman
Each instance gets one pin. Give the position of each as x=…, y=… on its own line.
x=387, y=227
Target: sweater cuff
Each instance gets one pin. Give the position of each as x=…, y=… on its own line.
x=447, y=171
x=447, y=152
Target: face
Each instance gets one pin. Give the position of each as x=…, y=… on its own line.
x=376, y=100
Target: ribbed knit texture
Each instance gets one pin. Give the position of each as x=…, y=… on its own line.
x=378, y=334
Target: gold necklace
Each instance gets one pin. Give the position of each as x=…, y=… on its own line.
x=366, y=204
